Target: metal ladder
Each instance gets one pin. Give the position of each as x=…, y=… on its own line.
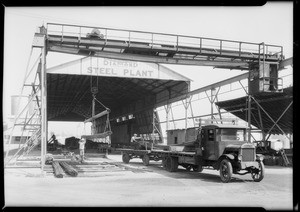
x=29, y=145
x=284, y=157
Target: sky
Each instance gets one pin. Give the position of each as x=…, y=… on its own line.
x=271, y=23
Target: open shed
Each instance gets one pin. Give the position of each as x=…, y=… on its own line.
x=130, y=89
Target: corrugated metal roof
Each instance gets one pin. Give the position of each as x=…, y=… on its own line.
x=273, y=103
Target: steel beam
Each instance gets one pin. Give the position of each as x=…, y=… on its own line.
x=203, y=89
x=286, y=62
x=155, y=59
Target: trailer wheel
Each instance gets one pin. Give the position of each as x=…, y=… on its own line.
x=146, y=160
x=125, y=157
x=258, y=174
x=225, y=170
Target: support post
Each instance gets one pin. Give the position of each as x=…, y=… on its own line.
x=262, y=129
x=249, y=118
x=44, y=122
x=93, y=114
x=212, y=92
x=167, y=115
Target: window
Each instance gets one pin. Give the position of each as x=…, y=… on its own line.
x=175, y=140
x=211, y=135
x=230, y=135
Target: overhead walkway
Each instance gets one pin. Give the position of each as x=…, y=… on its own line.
x=158, y=47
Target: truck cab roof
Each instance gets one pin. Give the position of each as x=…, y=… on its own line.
x=225, y=126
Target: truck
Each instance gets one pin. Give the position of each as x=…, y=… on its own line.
x=223, y=147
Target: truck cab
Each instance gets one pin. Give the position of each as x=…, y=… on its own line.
x=225, y=147
x=216, y=137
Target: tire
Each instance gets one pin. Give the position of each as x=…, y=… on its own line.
x=171, y=164
x=258, y=174
x=187, y=167
x=146, y=160
x=225, y=170
x=168, y=164
x=197, y=168
x=125, y=158
x=163, y=163
x=174, y=162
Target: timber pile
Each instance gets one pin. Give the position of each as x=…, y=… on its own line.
x=68, y=169
x=58, y=172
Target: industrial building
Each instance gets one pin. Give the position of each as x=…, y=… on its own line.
x=120, y=82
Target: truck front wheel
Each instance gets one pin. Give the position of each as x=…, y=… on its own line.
x=225, y=170
x=258, y=174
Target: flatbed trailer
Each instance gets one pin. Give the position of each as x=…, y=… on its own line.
x=145, y=155
x=169, y=159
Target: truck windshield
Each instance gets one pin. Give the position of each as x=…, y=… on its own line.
x=230, y=134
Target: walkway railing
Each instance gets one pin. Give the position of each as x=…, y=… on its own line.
x=158, y=39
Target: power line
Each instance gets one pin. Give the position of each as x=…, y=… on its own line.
x=51, y=18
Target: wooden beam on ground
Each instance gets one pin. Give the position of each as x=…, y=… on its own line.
x=58, y=171
x=68, y=169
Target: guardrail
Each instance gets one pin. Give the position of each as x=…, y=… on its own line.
x=176, y=41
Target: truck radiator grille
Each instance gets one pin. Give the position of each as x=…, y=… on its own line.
x=247, y=155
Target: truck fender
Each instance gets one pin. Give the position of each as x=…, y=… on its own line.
x=229, y=156
x=259, y=157
x=224, y=156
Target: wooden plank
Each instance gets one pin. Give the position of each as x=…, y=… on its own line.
x=103, y=113
x=99, y=135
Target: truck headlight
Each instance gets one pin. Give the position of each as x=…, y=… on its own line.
x=240, y=157
x=259, y=157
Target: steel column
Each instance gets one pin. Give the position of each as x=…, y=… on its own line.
x=249, y=118
x=44, y=122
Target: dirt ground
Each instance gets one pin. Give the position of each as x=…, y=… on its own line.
x=134, y=184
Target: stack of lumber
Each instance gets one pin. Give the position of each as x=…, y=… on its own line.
x=68, y=169
x=58, y=172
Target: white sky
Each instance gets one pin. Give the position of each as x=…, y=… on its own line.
x=271, y=23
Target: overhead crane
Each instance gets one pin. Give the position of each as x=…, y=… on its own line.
x=159, y=47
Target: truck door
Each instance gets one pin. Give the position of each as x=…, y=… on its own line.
x=209, y=144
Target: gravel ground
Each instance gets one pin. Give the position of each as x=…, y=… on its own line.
x=136, y=185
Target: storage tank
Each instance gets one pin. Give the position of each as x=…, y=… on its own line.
x=18, y=103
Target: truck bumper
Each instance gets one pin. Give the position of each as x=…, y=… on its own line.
x=244, y=165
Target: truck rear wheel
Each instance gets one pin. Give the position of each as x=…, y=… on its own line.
x=163, y=163
x=225, y=170
x=172, y=164
x=146, y=160
x=197, y=168
x=125, y=157
x=258, y=174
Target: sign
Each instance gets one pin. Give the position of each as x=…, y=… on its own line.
x=96, y=66
x=118, y=68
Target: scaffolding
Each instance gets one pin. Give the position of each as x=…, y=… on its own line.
x=32, y=118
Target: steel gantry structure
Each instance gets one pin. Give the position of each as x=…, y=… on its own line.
x=155, y=48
